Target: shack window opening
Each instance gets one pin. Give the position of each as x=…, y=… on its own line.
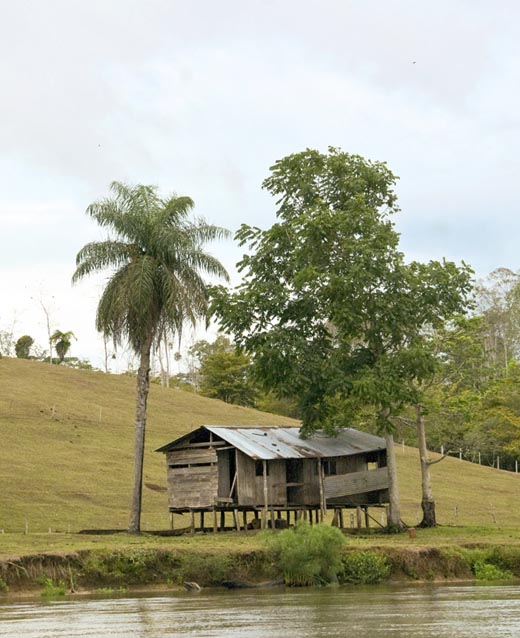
x=184, y=465
x=259, y=468
x=329, y=468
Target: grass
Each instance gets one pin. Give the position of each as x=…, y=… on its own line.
x=66, y=464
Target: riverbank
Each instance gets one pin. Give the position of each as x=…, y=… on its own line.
x=55, y=564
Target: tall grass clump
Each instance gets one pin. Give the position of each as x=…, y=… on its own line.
x=307, y=555
x=364, y=568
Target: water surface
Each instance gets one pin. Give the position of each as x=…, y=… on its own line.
x=456, y=611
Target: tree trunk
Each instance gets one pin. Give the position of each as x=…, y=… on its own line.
x=394, y=517
x=427, y=502
x=143, y=387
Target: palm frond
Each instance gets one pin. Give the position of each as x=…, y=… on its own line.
x=100, y=255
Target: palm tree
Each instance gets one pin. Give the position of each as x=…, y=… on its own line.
x=62, y=342
x=157, y=285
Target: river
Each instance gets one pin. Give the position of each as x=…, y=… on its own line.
x=454, y=611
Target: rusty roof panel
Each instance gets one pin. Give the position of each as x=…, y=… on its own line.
x=266, y=443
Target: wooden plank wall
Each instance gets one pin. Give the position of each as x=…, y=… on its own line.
x=195, y=485
x=311, y=480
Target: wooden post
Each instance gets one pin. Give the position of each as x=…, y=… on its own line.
x=288, y=514
x=202, y=521
x=192, y=522
x=367, y=518
x=358, y=518
x=222, y=520
x=322, y=491
x=235, y=516
x=215, y=520
x=272, y=517
x=244, y=519
x=264, y=514
x=341, y=518
x=171, y=520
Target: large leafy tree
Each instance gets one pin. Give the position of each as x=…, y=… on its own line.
x=327, y=307
x=157, y=285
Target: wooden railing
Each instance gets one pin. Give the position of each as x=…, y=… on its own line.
x=356, y=483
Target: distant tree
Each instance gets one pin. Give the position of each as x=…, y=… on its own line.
x=62, y=342
x=158, y=258
x=225, y=374
x=23, y=346
x=499, y=305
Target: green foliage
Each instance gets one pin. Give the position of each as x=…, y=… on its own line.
x=22, y=347
x=224, y=372
x=364, y=568
x=4, y=588
x=489, y=571
x=307, y=555
x=53, y=589
x=328, y=308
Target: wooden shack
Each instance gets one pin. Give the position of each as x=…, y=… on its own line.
x=271, y=471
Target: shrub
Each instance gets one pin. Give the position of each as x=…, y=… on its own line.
x=364, y=568
x=488, y=571
x=307, y=555
x=52, y=589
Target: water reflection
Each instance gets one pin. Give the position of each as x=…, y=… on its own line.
x=420, y=611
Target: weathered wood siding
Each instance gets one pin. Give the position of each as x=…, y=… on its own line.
x=246, y=478
x=311, y=482
x=356, y=483
x=276, y=490
x=192, y=478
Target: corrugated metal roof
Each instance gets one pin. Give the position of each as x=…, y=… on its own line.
x=271, y=442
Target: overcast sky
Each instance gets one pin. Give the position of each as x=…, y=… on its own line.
x=201, y=97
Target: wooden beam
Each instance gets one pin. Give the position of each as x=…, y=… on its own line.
x=322, y=490
x=266, y=496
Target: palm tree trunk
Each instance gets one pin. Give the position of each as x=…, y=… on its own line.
x=394, y=516
x=427, y=502
x=143, y=387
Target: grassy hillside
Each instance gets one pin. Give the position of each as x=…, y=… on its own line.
x=66, y=441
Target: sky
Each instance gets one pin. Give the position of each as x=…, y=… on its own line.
x=200, y=98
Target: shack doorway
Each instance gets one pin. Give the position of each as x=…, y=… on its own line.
x=294, y=479
x=227, y=481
